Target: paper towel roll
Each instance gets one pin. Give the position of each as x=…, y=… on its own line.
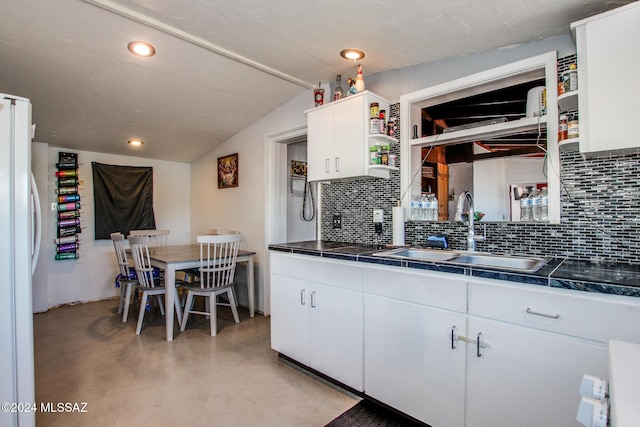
x=398, y=225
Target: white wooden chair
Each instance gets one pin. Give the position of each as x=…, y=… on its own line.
x=157, y=238
x=127, y=279
x=218, y=255
x=148, y=282
x=193, y=274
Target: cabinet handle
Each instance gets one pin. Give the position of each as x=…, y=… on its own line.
x=478, y=345
x=337, y=164
x=537, y=313
x=302, y=298
x=313, y=299
x=454, y=337
x=326, y=165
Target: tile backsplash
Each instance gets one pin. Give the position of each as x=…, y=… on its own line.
x=600, y=217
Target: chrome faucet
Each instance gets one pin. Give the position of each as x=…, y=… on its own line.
x=471, y=237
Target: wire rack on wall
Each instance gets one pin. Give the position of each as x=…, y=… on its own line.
x=68, y=241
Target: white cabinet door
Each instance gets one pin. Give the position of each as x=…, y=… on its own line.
x=607, y=47
x=290, y=317
x=525, y=377
x=349, y=148
x=410, y=363
x=320, y=144
x=336, y=333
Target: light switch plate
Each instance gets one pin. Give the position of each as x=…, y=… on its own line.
x=378, y=216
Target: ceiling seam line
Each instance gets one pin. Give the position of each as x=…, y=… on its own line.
x=190, y=38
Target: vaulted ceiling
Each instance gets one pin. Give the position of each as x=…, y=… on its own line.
x=221, y=65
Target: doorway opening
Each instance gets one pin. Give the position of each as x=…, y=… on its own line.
x=284, y=197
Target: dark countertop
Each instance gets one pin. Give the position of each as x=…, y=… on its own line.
x=618, y=279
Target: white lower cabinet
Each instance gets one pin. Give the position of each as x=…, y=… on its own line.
x=290, y=317
x=336, y=329
x=447, y=349
x=410, y=363
x=319, y=324
x=522, y=377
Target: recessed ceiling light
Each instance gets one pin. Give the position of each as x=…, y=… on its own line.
x=353, y=54
x=135, y=142
x=141, y=48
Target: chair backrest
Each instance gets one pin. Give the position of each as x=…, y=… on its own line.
x=157, y=238
x=121, y=254
x=218, y=255
x=142, y=261
x=220, y=231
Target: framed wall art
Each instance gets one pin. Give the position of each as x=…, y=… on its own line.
x=228, y=171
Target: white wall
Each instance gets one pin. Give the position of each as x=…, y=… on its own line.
x=243, y=208
x=392, y=84
x=92, y=276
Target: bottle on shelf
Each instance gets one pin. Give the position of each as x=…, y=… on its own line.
x=525, y=208
x=563, y=128
x=384, y=155
x=535, y=205
x=570, y=78
x=383, y=122
x=415, y=207
x=573, y=128
x=338, y=93
x=374, y=151
x=425, y=204
x=374, y=110
x=359, y=80
x=434, y=208
x=391, y=127
x=544, y=205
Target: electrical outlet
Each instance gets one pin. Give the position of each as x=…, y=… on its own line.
x=337, y=221
x=378, y=216
x=54, y=206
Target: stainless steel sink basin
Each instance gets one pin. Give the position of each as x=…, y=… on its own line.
x=419, y=254
x=473, y=259
x=502, y=261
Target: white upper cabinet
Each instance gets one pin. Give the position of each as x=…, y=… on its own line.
x=608, y=58
x=338, y=139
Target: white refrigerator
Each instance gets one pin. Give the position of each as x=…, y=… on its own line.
x=19, y=229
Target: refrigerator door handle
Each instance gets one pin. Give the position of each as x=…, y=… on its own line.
x=37, y=234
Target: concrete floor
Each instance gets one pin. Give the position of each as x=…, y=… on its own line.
x=84, y=353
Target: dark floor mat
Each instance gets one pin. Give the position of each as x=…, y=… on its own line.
x=369, y=414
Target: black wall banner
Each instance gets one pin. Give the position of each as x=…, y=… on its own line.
x=123, y=198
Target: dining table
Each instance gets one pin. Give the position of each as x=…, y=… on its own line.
x=181, y=257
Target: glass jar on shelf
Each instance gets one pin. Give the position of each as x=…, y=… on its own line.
x=375, y=155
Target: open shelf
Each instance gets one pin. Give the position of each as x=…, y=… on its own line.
x=383, y=139
x=384, y=167
x=570, y=144
x=500, y=129
x=568, y=101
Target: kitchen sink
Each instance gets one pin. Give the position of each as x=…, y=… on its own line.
x=502, y=261
x=420, y=254
x=474, y=259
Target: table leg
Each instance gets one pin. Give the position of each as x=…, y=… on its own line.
x=250, y=285
x=169, y=298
